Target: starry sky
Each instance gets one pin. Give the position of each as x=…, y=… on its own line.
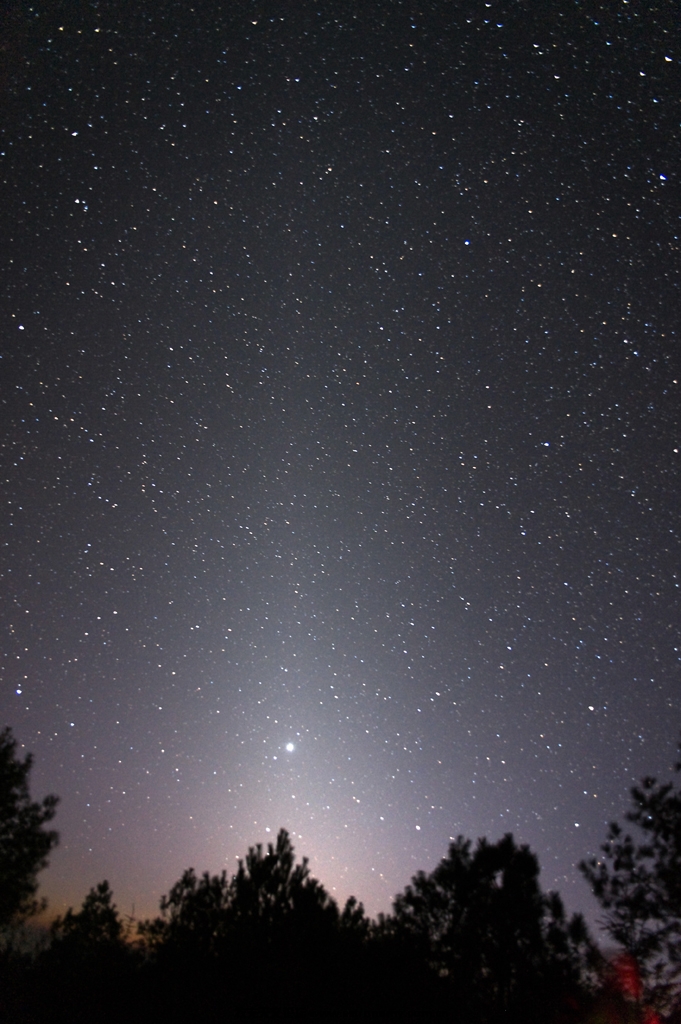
x=340, y=429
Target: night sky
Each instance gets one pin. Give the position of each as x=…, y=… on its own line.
x=340, y=429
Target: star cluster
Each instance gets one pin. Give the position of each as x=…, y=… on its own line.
x=340, y=430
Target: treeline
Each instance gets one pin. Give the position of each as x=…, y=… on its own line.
x=475, y=941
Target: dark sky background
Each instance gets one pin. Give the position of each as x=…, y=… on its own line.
x=340, y=429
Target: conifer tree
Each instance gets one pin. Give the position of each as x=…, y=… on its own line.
x=637, y=881
x=24, y=841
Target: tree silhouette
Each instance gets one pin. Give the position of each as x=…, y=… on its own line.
x=272, y=896
x=89, y=970
x=268, y=897
x=476, y=940
x=24, y=842
x=95, y=926
x=268, y=937
x=194, y=915
x=481, y=922
x=638, y=884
